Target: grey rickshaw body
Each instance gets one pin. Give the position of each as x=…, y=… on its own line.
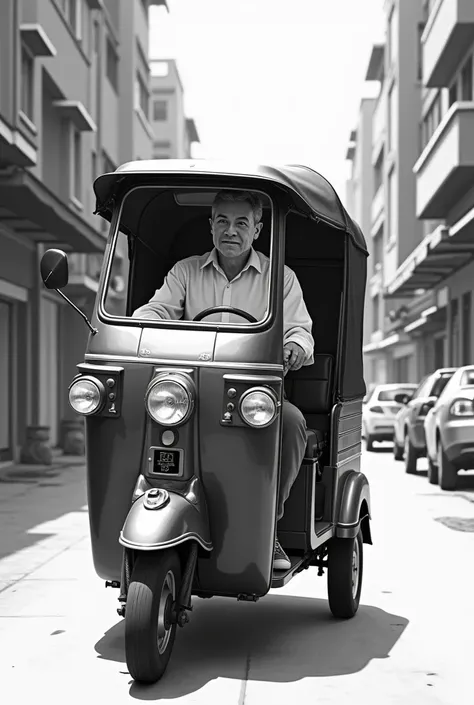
x=215, y=501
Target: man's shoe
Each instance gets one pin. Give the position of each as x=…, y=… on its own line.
x=280, y=559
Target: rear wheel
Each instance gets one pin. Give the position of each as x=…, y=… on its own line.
x=432, y=473
x=397, y=450
x=369, y=442
x=149, y=633
x=447, y=473
x=345, y=568
x=410, y=456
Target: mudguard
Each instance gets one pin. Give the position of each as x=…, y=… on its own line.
x=354, y=510
x=175, y=518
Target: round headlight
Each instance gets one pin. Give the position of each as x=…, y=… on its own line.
x=258, y=407
x=85, y=396
x=168, y=402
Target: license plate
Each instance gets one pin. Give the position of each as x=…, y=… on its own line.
x=166, y=461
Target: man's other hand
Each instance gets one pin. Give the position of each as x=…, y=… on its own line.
x=293, y=356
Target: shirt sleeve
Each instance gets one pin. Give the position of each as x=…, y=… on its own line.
x=168, y=301
x=297, y=324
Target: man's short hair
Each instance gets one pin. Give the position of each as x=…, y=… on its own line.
x=253, y=199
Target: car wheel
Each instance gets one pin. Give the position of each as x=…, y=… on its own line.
x=369, y=442
x=432, y=473
x=410, y=456
x=397, y=450
x=447, y=473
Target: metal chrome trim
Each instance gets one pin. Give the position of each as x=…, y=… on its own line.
x=194, y=363
x=166, y=544
x=252, y=379
x=346, y=460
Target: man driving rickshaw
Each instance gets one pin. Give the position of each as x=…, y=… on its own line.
x=235, y=274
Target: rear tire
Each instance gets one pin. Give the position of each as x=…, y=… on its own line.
x=432, y=473
x=397, y=450
x=410, y=456
x=345, y=569
x=149, y=635
x=369, y=442
x=447, y=473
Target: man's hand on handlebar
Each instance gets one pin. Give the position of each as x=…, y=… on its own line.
x=293, y=356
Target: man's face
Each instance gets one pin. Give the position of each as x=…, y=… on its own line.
x=233, y=228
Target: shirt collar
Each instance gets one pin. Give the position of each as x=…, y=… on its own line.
x=253, y=261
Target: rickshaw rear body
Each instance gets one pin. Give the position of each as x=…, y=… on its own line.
x=223, y=489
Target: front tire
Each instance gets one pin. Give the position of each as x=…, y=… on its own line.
x=410, y=456
x=345, y=569
x=369, y=442
x=397, y=450
x=447, y=473
x=149, y=634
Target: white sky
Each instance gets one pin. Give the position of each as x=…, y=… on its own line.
x=272, y=81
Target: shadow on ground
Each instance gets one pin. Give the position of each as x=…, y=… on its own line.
x=26, y=506
x=286, y=638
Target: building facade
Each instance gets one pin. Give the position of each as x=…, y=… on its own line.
x=69, y=70
x=174, y=132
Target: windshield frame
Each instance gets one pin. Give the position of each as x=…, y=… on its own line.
x=277, y=255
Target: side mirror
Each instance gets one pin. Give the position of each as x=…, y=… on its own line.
x=402, y=398
x=54, y=269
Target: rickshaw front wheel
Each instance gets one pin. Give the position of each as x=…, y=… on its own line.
x=149, y=630
x=345, y=568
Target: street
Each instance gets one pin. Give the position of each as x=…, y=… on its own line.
x=411, y=641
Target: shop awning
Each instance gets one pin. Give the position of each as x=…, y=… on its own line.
x=32, y=209
x=441, y=253
x=386, y=343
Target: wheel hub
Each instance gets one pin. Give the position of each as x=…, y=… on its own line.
x=167, y=598
x=355, y=568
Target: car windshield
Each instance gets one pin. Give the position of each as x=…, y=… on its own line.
x=389, y=394
x=440, y=384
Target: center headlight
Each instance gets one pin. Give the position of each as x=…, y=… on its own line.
x=258, y=407
x=168, y=402
x=86, y=395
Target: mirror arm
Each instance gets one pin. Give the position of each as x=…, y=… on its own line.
x=88, y=323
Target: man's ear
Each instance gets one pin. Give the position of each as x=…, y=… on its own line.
x=211, y=223
x=258, y=229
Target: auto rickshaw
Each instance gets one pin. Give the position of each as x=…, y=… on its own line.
x=182, y=487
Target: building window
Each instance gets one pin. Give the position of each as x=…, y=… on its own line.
x=454, y=336
x=392, y=37
x=378, y=247
x=72, y=12
x=112, y=65
x=376, y=313
x=76, y=165
x=466, y=328
x=107, y=164
x=378, y=172
x=419, y=73
x=402, y=369
x=392, y=207
x=160, y=110
x=431, y=121
x=142, y=95
x=94, y=165
x=392, y=119
x=453, y=93
x=27, y=82
x=466, y=80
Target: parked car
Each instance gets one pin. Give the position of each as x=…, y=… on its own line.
x=409, y=440
x=449, y=430
x=379, y=411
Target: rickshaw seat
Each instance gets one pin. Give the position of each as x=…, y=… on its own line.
x=315, y=443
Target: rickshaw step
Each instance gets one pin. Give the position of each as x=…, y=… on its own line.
x=281, y=577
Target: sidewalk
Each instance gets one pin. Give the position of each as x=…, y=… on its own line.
x=25, y=474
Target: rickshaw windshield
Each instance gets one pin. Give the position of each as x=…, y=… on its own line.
x=181, y=251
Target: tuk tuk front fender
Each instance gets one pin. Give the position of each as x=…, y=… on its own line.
x=173, y=523
x=354, y=510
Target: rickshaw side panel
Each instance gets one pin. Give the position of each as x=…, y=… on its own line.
x=239, y=472
x=114, y=449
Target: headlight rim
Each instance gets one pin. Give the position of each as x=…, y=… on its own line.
x=102, y=393
x=265, y=390
x=183, y=382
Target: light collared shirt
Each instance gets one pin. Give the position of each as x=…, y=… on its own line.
x=199, y=282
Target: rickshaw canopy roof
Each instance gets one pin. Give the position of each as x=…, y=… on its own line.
x=310, y=191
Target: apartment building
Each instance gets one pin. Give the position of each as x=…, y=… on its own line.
x=359, y=197
x=74, y=102
x=174, y=132
x=439, y=272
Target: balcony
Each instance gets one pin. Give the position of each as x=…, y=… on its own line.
x=445, y=169
x=447, y=37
